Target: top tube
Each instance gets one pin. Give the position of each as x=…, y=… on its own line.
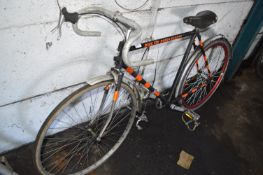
x=161, y=40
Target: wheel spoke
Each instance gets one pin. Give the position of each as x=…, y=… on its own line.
x=199, y=84
x=70, y=144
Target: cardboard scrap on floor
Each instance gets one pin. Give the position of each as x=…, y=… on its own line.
x=185, y=160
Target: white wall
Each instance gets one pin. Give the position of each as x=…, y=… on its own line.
x=35, y=78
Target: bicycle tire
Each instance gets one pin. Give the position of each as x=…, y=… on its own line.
x=259, y=66
x=197, y=84
x=83, y=132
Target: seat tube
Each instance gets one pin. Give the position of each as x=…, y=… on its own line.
x=182, y=65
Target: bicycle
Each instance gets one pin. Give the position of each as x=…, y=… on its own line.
x=87, y=127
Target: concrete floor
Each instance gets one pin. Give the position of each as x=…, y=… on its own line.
x=228, y=141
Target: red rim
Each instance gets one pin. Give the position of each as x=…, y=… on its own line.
x=219, y=79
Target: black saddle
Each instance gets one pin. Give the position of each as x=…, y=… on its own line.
x=202, y=19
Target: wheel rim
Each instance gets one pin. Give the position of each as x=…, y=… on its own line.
x=199, y=86
x=70, y=145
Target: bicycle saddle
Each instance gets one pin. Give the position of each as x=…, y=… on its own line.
x=202, y=19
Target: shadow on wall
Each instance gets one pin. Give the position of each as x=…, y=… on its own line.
x=30, y=114
x=169, y=50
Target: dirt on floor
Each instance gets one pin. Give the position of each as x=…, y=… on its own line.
x=240, y=119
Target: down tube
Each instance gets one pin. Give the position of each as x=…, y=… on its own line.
x=181, y=67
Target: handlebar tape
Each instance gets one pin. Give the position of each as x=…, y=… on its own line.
x=70, y=17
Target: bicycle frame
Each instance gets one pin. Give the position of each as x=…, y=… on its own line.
x=192, y=34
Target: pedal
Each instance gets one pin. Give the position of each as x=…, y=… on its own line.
x=141, y=118
x=190, y=119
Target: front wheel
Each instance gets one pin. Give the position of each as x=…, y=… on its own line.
x=68, y=143
x=204, y=73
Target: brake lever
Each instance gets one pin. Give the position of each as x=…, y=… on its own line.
x=65, y=16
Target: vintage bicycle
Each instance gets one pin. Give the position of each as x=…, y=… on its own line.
x=87, y=127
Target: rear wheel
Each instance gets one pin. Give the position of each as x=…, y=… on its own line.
x=205, y=73
x=68, y=143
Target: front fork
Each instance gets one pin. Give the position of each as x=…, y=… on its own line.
x=115, y=98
